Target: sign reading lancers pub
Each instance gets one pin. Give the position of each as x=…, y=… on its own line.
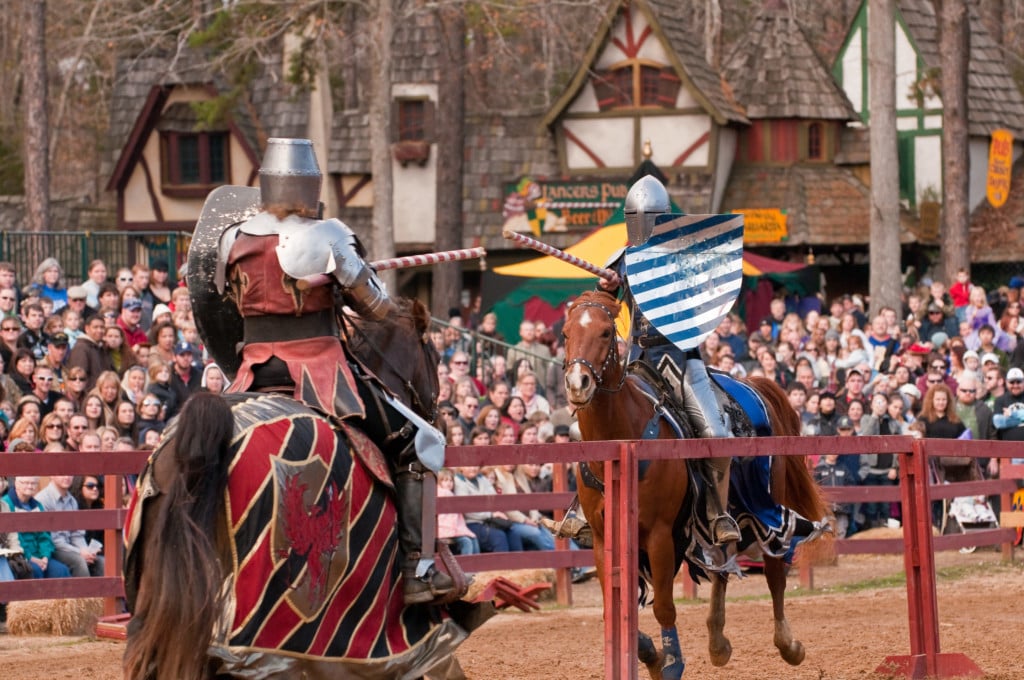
x=548, y=206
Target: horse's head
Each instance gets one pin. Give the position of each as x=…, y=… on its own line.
x=399, y=352
x=591, y=349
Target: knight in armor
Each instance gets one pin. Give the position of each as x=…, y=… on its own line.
x=684, y=371
x=290, y=337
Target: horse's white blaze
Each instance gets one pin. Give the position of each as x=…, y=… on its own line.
x=573, y=378
x=585, y=318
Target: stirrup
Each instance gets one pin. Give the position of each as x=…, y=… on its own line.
x=725, y=530
x=433, y=586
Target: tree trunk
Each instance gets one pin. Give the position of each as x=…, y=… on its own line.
x=885, y=280
x=37, y=133
x=379, y=106
x=451, y=133
x=954, y=48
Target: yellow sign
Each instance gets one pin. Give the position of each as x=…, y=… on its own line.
x=766, y=225
x=1000, y=164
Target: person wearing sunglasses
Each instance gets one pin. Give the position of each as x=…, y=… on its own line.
x=43, y=381
x=1008, y=409
x=88, y=491
x=8, y=303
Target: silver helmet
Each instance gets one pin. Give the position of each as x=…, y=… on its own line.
x=290, y=177
x=646, y=200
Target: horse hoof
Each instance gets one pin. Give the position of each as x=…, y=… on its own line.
x=793, y=654
x=720, y=655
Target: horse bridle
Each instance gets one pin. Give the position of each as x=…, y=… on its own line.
x=611, y=356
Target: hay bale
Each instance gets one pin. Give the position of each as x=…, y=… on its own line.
x=54, y=617
x=521, y=577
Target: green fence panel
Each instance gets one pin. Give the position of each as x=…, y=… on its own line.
x=76, y=249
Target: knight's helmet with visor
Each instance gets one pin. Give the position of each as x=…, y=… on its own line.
x=646, y=200
x=290, y=177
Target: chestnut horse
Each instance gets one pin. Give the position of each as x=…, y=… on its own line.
x=612, y=406
x=262, y=537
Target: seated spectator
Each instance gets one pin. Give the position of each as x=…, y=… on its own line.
x=148, y=414
x=163, y=336
x=70, y=545
x=25, y=431
x=451, y=526
x=10, y=548
x=48, y=281
x=525, y=526
x=74, y=386
x=28, y=407
x=514, y=412
x=37, y=545
x=20, y=368
x=214, y=379
x=124, y=421
x=160, y=387
x=122, y=356
x=133, y=384
x=92, y=409
x=52, y=431
x=829, y=473
x=108, y=438
x=491, y=528
x=489, y=418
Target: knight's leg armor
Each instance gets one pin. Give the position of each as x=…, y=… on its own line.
x=424, y=583
x=708, y=420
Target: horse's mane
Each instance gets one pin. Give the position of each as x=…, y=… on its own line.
x=599, y=297
x=179, y=577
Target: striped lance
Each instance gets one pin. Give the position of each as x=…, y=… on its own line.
x=401, y=263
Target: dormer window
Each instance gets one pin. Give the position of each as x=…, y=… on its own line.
x=636, y=85
x=192, y=161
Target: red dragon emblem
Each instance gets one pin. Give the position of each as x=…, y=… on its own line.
x=312, y=523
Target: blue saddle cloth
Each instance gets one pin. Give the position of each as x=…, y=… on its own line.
x=748, y=400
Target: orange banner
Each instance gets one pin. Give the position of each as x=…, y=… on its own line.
x=1000, y=164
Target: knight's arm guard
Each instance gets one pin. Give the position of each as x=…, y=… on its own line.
x=330, y=247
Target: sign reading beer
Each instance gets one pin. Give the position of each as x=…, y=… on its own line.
x=548, y=206
x=1000, y=164
x=764, y=225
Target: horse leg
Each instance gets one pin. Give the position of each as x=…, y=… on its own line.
x=719, y=647
x=792, y=651
x=660, y=552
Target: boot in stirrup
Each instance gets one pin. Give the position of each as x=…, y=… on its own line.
x=424, y=584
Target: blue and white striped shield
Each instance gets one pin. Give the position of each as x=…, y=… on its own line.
x=687, y=275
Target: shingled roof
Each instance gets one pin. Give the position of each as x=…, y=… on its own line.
x=828, y=197
x=993, y=98
x=776, y=74
x=274, y=112
x=672, y=24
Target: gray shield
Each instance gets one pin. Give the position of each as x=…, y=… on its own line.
x=217, y=317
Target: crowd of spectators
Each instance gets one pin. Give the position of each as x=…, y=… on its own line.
x=948, y=364
x=101, y=365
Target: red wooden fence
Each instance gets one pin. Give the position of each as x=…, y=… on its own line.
x=620, y=460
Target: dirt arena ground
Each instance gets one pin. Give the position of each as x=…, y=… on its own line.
x=856, y=616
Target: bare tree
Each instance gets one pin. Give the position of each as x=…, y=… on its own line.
x=954, y=50
x=885, y=284
x=37, y=125
x=451, y=140
x=382, y=27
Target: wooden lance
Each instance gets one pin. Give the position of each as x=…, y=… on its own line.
x=401, y=263
x=541, y=247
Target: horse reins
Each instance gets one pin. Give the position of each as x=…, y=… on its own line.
x=417, y=404
x=611, y=356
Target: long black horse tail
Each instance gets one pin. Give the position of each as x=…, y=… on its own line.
x=180, y=581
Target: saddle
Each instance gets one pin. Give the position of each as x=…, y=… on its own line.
x=747, y=413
